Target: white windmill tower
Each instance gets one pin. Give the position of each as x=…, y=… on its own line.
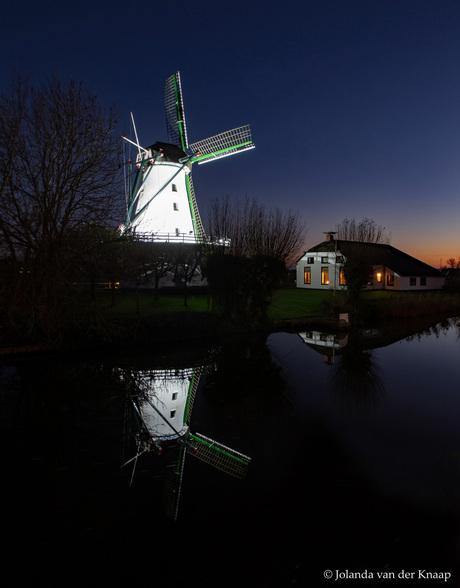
x=161, y=204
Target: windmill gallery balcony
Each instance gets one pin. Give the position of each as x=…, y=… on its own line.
x=189, y=238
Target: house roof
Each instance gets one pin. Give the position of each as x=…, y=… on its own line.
x=383, y=254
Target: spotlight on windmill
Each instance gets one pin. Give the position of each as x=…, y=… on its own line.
x=161, y=202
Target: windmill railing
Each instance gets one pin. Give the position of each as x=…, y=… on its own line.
x=167, y=237
x=180, y=238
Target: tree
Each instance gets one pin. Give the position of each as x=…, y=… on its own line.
x=257, y=243
x=187, y=260
x=365, y=231
x=242, y=287
x=59, y=168
x=252, y=229
x=453, y=263
x=355, y=240
x=92, y=248
x=160, y=261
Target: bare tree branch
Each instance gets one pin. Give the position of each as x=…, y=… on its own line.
x=59, y=168
x=364, y=231
x=254, y=230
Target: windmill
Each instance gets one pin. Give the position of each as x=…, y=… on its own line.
x=161, y=403
x=161, y=203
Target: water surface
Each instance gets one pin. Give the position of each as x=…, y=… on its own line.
x=355, y=463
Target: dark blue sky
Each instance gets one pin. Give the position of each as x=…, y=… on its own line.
x=354, y=105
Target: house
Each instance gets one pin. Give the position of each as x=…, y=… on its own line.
x=321, y=267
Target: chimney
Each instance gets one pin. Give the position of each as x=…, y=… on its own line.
x=330, y=235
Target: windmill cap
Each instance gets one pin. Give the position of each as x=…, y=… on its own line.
x=171, y=152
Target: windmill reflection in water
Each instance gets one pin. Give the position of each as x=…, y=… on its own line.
x=159, y=410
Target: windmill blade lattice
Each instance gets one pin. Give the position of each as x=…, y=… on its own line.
x=223, y=145
x=192, y=392
x=172, y=485
x=196, y=218
x=175, y=116
x=219, y=456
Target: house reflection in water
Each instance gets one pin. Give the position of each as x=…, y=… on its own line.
x=331, y=344
x=327, y=343
x=356, y=378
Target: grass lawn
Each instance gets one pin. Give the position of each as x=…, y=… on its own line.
x=286, y=304
x=297, y=303
x=291, y=303
x=127, y=306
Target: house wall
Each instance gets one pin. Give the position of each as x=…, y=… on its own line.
x=414, y=283
x=318, y=262
x=333, y=261
x=379, y=277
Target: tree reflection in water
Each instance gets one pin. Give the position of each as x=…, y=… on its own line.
x=356, y=378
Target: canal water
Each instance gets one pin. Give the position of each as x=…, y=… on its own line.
x=354, y=476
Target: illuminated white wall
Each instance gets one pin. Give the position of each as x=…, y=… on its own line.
x=316, y=261
x=168, y=214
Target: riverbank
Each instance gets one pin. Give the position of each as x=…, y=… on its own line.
x=138, y=319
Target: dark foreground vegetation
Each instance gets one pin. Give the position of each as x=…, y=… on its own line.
x=380, y=306
x=128, y=317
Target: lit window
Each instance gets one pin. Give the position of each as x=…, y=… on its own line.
x=390, y=280
x=378, y=277
x=342, y=280
x=307, y=275
x=324, y=276
x=174, y=188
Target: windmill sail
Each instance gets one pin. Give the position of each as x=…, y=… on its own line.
x=175, y=117
x=172, y=485
x=222, y=145
x=193, y=387
x=219, y=456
